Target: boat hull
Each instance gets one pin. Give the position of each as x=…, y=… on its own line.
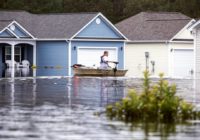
x=98, y=72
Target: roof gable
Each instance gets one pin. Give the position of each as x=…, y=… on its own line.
x=14, y=29
x=59, y=26
x=159, y=26
x=195, y=25
x=99, y=28
x=185, y=33
x=6, y=34
x=48, y=26
x=19, y=31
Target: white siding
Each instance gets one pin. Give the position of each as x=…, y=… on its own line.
x=135, y=58
x=198, y=53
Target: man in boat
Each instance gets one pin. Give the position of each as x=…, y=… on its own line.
x=104, y=61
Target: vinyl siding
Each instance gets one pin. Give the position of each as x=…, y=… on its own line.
x=52, y=54
x=1, y=63
x=182, y=45
x=198, y=54
x=135, y=60
x=101, y=30
x=185, y=34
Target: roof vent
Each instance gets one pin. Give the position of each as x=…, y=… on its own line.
x=98, y=21
x=12, y=27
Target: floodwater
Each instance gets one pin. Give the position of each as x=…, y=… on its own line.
x=63, y=108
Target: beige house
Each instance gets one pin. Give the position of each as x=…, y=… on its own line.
x=159, y=42
x=195, y=28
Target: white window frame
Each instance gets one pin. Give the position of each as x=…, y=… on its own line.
x=20, y=52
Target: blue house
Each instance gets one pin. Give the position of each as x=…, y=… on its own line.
x=54, y=42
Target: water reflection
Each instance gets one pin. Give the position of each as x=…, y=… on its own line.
x=29, y=72
x=19, y=72
x=53, y=108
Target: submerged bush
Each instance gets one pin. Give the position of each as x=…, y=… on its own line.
x=156, y=103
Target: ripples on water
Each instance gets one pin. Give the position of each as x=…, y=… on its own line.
x=60, y=109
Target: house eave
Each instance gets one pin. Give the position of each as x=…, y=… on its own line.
x=147, y=41
x=17, y=39
x=98, y=39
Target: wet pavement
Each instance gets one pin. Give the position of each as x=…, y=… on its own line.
x=63, y=108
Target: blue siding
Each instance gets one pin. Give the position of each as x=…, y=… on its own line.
x=28, y=54
x=6, y=34
x=1, y=63
x=19, y=32
x=102, y=30
x=52, y=54
x=100, y=44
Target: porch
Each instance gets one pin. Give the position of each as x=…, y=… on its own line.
x=12, y=54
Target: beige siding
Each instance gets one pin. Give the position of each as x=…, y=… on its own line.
x=198, y=53
x=185, y=34
x=181, y=45
x=135, y=58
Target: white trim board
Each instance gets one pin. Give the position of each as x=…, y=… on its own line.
x=26, y=32
x=15, y=22
x=194, y=25
x=10, y=32
x=116, y=40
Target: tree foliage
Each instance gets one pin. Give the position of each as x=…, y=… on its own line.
x=115, y=10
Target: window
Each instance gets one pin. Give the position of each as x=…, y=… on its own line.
x=17, y=53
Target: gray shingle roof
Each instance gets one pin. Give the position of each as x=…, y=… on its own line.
x=4, y=23
x=153, y=25
x=48, y=25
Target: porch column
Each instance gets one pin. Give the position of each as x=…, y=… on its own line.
x=34, y=54
x=69, y=57
x=13, y=60
x=34, y=59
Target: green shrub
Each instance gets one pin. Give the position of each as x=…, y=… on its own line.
x=156, y=103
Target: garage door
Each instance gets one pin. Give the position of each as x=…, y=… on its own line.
x=91, y=56
x=183, y=63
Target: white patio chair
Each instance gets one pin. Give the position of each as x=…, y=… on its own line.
x=9, y=63
x=25, y=64
x=8, y=72
x=25, y=71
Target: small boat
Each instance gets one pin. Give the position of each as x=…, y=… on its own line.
x=85, y=71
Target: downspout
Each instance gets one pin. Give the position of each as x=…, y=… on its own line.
x=124, y=53
x=69, y=57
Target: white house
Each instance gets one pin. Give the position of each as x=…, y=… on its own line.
x=159, y=42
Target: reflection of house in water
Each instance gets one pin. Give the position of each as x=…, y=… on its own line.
x=17, y=92
x=112, y=90
x=19, y=72
x=96, y=91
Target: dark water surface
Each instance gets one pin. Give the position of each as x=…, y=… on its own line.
x=63, y=109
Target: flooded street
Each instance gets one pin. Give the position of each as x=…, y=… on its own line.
x=64, y=108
